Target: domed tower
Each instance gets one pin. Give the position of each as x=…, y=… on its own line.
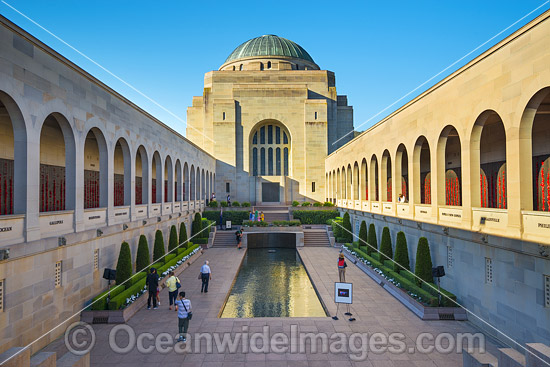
x=269, y=52
x=270, y=116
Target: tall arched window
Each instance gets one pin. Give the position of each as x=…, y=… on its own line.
x=268, y=141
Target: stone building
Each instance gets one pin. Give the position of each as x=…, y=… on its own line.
x=270, y=116
x=470, y=156
x=82, y=169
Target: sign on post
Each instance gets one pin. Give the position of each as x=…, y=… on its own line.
x=343, y=292
x=227, y=224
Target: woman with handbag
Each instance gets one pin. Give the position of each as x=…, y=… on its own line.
x=173, y=284
x=183, y=306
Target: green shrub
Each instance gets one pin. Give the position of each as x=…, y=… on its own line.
x=235, y=216
x=213, y=204
x=306, y=203
x=142, y=257
x=363, y=235
x=286, y=223
x=317, y=204
x=253, y=223
x=328, y=203
x=224, y=204
x=184, y=248
x=423, y=265
x=336, y=224
x=173, y=239
x=196, y=226
x=295, y=203
x=346, y=232
x=100, y=301
x=169, y=257
x=118, y=302
x=183, y=233
x=385, y=245
x=246, y=204
x=158, y=248
x=124, y=264
x=401, y=253
x=200, y=240
x=315, y=216
x=136, y=278
x=205, y=223
x=373, y=242
x=235, y=203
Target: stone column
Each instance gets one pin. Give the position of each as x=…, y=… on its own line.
x=32, y=189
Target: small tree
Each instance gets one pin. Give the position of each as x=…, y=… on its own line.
x=385, y=245
x=401, y=253
x=346, y=233
x=183, y=234
x=372, y=241
x=197, y=225
x=158, y=248
x=173, y=240
x=363, y=235
x=124, y=264
x=423, y=265
x=142, y=257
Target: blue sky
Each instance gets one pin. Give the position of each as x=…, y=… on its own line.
x=379, y=50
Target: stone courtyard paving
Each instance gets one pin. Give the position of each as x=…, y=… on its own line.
x=374, y=309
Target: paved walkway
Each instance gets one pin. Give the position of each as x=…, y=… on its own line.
x=374, y=309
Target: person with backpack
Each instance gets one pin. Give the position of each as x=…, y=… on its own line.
x=152, y=282
x=183, y=307
x=342, y=267
x=173, y=284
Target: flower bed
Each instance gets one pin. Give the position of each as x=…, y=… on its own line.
x=420, y=300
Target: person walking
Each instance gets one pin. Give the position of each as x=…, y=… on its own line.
x=342, y=267
x=228, y=200
x=221, y=219
x=152, y=282
x=183, y=306
x=239, y=238
x=172, y=284
x=262, y=217
x=205, y=276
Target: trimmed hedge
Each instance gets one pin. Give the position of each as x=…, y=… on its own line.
x=213, y=204
x=385, y=245
x=158, y=248
x=197, y=225
x=363, y=241
x=372, y=240
x=401, y=253
x=100, y=301
x=245, y=204
x=204, y=224
x=142, y=256
x=235, y=203
x=184, y=248
x=317, y=204
x=328, y=203
x=136, y=278
x=235, y=216
x=170, y=256
x=423, y=266
x=306, y=203
x=124, y=264
x=255, y=223
x=286, y=223
x=314, y=216
x=173, y=239
x=119, y=301
x=346, y=232
x=295, y=203
x=200, y=240
x=183, y=233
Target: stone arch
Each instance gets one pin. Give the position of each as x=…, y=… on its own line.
x=168, y=180
x=356, y=181
x=179, y=185
x=422, y=184
x=192, y=184
x=364, y=180
x=402, y=171
x=386, y=170
x=96, y=161
x=270, y=145
x=142, y=176
x=374, y=181
x=156, y=178
x=449, y=166
x=122, y=180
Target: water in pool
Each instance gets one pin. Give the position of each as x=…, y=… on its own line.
x=272, y=283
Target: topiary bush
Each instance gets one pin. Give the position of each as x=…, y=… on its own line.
x=317, y=204
x=245, y=204
x=346, y=231
x=124, y=264
x=363, y=241
x=385, y=245
x=158, y=247
x=306, y=203
x=315, y=216
x=423, y=265
x=401, y=253
x=235, y=203
x=197, y=225
x=173, y=239
x=224, y=204
x=373, y=242
x=142, y=256
x=295, y=203
x=183, y=234
x=213, y=204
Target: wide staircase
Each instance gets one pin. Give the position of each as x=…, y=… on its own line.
x=317, y=237
x=275, y=212
x=534, y=355
x=225, y=239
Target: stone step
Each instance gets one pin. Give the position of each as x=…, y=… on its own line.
x=44, y=359
x=476, y=358
x=537, y=355
x=509, y=357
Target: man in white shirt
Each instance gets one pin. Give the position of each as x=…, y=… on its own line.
x=205, y=276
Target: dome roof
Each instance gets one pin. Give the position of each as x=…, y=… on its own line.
x=269, y=45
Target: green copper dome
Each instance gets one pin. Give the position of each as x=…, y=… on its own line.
x=269, y=45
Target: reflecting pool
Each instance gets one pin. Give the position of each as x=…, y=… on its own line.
x=272, y=283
